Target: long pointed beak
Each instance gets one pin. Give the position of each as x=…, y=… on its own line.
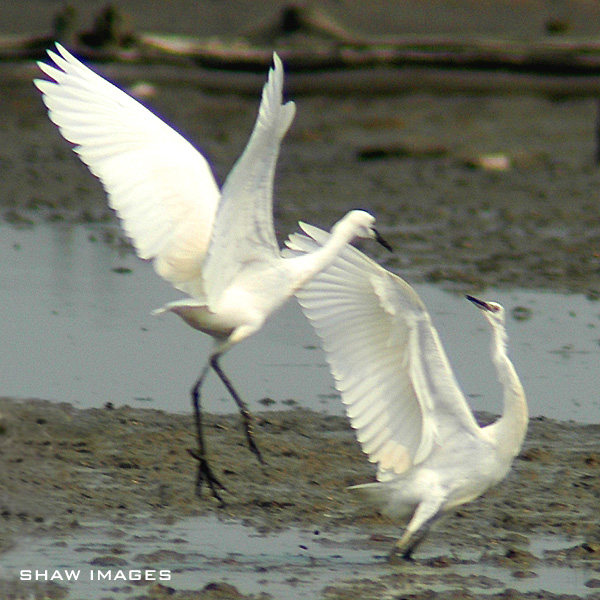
x=479, y=303
x=379, y=239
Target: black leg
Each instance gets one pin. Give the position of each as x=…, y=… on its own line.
x=204, y=471
x=419, y=536
x=408, y=553
x=246, y=416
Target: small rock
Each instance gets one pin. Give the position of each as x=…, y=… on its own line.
x=108, y=561
x=222, y=590
x=490, y=162
x=521, y=313
x=524, y=574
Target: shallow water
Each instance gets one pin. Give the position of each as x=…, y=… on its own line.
x=76, y=325
x=194, y=552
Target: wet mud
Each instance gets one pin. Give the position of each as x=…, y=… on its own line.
x=62, y=467
x=471, y=191
x=417, y=163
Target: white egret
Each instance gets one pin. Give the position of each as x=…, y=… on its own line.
x=401, y=395
x=218, y=247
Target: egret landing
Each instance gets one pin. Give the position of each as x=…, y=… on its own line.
x=401, y=395
x=216, y=246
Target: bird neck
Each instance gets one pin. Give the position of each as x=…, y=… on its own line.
x=509, y=431
x=307, y=266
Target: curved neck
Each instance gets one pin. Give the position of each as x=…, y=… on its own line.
x=509, y=430
x=307, y=266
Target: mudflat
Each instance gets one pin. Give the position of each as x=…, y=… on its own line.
x=471, y=190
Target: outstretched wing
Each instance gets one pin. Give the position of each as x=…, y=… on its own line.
x=161, y=187
x=385, y=356
x=244, y=230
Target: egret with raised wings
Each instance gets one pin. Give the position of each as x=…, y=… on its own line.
x=401, y=395
x=216, y=246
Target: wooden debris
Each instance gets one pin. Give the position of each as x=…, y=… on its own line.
x=329, y=58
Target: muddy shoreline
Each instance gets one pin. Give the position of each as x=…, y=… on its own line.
x=62, y=466
x=471, y=190
x=415, y=162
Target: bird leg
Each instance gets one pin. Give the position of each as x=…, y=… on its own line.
x=246, y=416
x=406, y=545
x=423, y=518
x=204, y=471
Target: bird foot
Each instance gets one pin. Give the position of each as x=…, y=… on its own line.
x=249, y=429
x=399, y=555
x=253, y=447
x=205, y=474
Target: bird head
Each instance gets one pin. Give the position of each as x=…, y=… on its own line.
x=363, y=226
x=492, y=311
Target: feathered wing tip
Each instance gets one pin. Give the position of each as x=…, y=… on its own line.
x=315, y=233
x=277, y=64
x=63, y=63
x=67, y=66
x=161, y=187
x=61, y=60
x=351, y=258
x=272, y=107
x=64, y=58
x=298, y=243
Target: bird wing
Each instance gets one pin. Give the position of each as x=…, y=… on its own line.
x=161, y=187
x=385, y=356
x=244, y=231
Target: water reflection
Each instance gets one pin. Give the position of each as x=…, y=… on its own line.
x=76, y=325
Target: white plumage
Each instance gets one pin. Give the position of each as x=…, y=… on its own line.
x=218, y=247
x=401, y=396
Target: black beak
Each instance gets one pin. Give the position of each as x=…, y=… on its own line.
x=379, y=239
x=479, y=303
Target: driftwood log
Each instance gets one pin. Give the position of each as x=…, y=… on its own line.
x=322, y=56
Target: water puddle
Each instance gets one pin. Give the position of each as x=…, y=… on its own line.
x=76, y=326
x=195, y=552
x=540, y=576
x=189, y=554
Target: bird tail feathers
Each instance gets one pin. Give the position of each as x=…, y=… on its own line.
x=373, y=493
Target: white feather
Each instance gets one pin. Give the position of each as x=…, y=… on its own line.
x=401, y=396
x=219, y=248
